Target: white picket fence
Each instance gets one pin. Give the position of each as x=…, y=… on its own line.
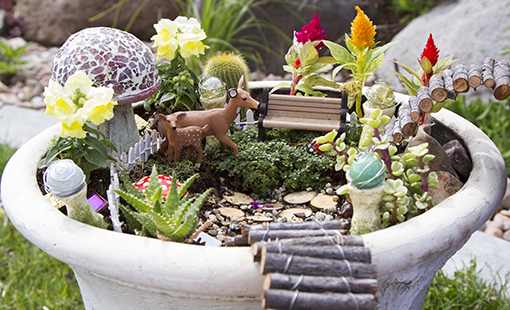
x=249, y=120
x=140, y=152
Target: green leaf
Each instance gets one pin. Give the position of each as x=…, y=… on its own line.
x=339, y=52
x=411, y=87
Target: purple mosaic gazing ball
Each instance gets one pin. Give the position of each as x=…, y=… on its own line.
x=109, y=57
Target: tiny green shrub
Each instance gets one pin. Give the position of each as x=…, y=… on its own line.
x=274, y=163
x=492, y=117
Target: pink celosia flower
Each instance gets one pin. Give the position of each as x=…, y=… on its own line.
x=313, y=32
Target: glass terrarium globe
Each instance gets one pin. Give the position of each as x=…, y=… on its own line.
x=380, y=96
x=213, y=92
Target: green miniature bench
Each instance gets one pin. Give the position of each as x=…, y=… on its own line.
x=301, y=112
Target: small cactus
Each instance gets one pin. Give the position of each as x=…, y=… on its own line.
x=228, y=67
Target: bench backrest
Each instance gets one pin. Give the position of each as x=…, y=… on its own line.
x=304, y=107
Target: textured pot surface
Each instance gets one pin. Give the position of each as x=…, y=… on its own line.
x=121, y=271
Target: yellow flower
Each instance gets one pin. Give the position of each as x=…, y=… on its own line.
x=182, y=33
x=191, y=48
x=74, y=130
x=77, y=82
x=362, y=31
x=78, y=102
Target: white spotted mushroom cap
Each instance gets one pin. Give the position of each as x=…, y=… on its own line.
x=109, y=57
x=165, y=181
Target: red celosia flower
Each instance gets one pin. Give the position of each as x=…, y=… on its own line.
x=431, y=52
x=297, y=63
x=313, y=32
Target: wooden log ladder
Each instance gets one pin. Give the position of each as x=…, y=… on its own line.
x=313, y=265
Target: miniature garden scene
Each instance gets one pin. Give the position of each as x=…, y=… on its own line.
x=184, y=169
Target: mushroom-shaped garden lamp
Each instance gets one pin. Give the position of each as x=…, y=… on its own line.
x=111, y=57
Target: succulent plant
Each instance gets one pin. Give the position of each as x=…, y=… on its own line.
x=228, y=67
x=173, y=218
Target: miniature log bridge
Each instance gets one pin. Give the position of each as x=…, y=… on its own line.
x=448, y=85
x=313, y=265
x=301, y=112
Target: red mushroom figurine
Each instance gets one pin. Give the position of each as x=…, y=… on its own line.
x=165, y=181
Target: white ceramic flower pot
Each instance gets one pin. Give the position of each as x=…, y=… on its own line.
x=122, y=271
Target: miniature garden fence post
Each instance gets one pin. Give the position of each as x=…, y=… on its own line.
x=147, y=145
x=249, y=120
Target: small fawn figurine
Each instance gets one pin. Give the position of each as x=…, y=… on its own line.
x=176, y=138
x=219, y=119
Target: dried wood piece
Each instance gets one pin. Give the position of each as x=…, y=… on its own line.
x=474, y=76
x=460, y=79
x=239, y=240
x=501, y=80
x=293, y=264
x=284, y=299
x=415, y=108
x=437, y=91
x=409, y=127
x=388, y=130
x=336, y=224
x=323, y=201
x=311, y=241
x=319, y=284
x=351, y=253
x=487, y=72
x=231, y=212
x=297, y=198
x=448, y=83
x=259, y=218
x=264, y=235
x=397, y=132
x=289, y=214
x=424, y=101
x=238, y=198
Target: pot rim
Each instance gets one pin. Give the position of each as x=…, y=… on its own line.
x=187, y=269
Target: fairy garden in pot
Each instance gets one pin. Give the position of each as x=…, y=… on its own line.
x=381, y=168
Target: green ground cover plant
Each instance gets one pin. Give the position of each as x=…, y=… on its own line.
x=30, y=278
x=466, y=290
x=492, y=117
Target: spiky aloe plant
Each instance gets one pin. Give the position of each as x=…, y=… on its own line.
x=173, y=218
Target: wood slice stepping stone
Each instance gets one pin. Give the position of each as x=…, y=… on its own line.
x=231, y=212
x=273, y=206
x=259, y=218
x=297, y=212
x=323, y=201
x=238, y=199
x=298, y=198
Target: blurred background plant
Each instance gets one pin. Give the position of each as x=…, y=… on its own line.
x=492, y=117
x=11, y=59
x=230, y=25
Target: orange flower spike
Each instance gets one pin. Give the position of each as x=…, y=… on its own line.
x=362, y=30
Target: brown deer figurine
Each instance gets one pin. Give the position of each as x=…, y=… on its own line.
x=219, y=119
x=176, y=138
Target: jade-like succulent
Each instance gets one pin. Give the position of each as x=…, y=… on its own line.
x=174, y=218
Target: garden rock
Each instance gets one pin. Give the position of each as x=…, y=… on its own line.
x=468, y=29
x=51, y=22
x=459, y=158
x=441, y=162
x=505, y=203
x=448, y=185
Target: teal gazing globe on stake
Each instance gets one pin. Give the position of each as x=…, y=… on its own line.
x=366, y=172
